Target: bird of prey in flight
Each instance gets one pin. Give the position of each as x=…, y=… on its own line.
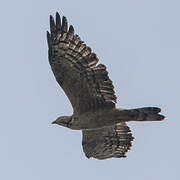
x=91, y=93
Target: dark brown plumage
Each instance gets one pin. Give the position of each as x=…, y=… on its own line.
x=111, y=141
x=91, y=93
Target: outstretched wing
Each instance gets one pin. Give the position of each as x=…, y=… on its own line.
x=108, y=142
x=87, y=86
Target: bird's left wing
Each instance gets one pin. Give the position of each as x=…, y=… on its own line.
x=108, y=142
x=86, y=84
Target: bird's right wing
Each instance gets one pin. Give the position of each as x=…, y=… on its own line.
x=86, y=84
x=108, y=142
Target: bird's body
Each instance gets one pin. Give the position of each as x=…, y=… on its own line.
x=91, y=93
x=96, y=119
x=108, y=117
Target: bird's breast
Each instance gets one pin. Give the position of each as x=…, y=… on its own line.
x=93, y=120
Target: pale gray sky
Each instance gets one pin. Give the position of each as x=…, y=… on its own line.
x=138, y=41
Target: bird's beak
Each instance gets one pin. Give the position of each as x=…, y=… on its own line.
x=54, y=122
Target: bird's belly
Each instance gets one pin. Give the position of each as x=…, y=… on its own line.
x=93, y=120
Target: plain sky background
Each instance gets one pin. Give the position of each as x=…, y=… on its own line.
x=138, y=41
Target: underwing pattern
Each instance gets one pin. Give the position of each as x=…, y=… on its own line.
x=86, y=84
x=112, y=141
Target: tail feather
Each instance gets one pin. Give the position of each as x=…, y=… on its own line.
x=146, y=114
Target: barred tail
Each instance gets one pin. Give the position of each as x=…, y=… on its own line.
x=145, y=114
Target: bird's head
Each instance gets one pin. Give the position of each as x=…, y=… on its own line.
x=63, y=121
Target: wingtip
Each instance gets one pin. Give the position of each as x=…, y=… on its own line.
x=52, y=24
x=64, y=24
x=71, y=29
x=51, y=18
x=64, y=18
x=58, y=22
x=57, y=14
x=58, y=18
